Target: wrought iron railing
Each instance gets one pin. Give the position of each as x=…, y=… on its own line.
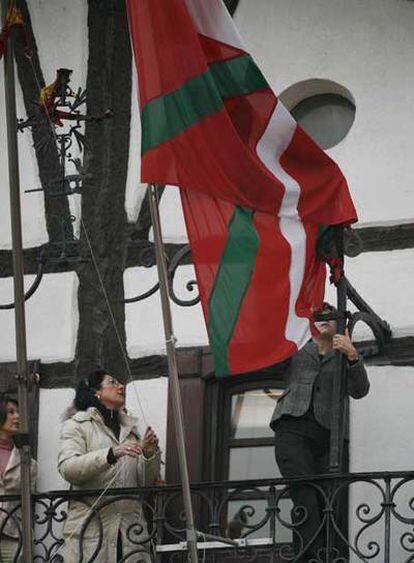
x=365, y=517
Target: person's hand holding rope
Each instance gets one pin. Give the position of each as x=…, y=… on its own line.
x=149, y=443
x=131, y=449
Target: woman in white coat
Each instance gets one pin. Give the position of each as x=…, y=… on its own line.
x=10, y=480
x=101, y=448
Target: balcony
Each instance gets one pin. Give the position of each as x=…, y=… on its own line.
x=242, y=521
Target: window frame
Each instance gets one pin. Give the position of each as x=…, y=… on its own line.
x=304, y=109
x=218, y=397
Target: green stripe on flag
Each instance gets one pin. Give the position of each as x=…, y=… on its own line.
x=165, y=117
x=231, y=283
x=237, y=77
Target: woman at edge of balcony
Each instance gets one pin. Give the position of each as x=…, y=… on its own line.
x=10, y=479
x=100, y=448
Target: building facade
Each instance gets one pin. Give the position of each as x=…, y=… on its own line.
x=343, y=69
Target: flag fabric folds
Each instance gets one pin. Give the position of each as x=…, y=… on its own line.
x=255, y=188
x=13, y=19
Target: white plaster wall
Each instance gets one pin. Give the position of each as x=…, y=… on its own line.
x=51, y=319
x=382, y=424
x=368, y=47
x=33, y=215
x=61, y=35
x=172, y=217
x=52, y=405
x=144, y=328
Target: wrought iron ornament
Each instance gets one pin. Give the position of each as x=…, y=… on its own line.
x=252, y=518
x=57, y=113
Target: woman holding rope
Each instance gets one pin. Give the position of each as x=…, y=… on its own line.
x=101, y=449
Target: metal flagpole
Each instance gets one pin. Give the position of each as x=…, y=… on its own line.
x=173, y=374
x=337, y=410
x=19, y=312
x=334, y=548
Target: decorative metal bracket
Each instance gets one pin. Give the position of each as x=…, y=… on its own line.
x=35, y=284
x=173, y=265
x=57, y=104
x=380, y=328
x=190, y=286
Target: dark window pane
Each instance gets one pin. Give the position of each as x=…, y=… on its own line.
x=326, y=118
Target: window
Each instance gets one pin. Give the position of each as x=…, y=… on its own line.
x=326, y=118
x=323, y=108
x=228, y=438
x=251, y=442
x=250, y=455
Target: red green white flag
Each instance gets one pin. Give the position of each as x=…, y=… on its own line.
x=255, y=188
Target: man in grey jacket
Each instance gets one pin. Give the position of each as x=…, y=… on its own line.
x=301, y=421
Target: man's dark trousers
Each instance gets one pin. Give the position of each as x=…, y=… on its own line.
x=297, y=456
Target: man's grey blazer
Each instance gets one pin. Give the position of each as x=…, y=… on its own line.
x=307, y=377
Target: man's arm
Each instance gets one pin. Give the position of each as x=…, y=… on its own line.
x=357, y=380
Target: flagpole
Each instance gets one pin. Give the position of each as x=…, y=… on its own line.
x=18, y=278
x=338, y=395
x=173, y=374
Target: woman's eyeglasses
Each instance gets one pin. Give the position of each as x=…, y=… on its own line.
x=112, y=382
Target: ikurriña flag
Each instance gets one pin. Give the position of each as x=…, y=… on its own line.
x=255, y=188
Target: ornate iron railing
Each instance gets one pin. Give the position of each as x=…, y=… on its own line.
x=252, y=521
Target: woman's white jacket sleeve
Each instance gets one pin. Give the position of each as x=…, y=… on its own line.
x=75, y=464
x=149, y=469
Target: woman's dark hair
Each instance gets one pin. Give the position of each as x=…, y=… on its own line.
x=4, y=400
x=86, y=389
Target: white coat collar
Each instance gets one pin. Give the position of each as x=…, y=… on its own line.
x=128, y=424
